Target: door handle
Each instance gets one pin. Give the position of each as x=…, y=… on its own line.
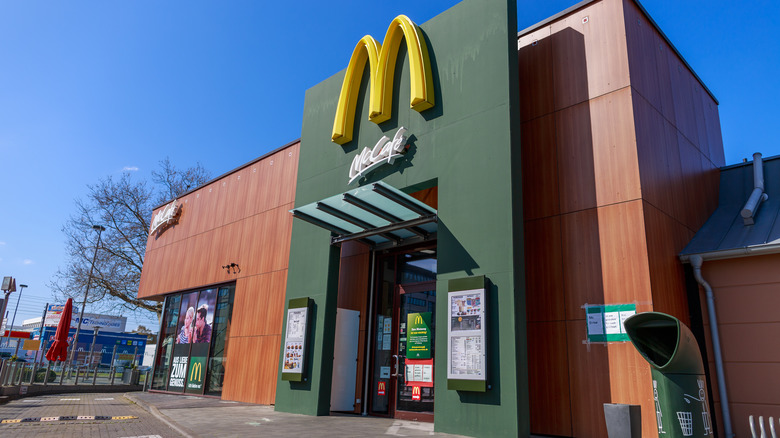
x=395, y=374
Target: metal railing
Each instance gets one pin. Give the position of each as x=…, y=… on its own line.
x=14, y=373
x=761, y=433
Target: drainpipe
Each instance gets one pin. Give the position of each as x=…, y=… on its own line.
x=754, y=201
x=696, y=262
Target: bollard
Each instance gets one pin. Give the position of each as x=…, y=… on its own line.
x=46, y=379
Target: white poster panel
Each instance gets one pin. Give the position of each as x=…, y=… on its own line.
x=466, y=335
x=294, y=340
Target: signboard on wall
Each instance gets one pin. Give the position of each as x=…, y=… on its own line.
x=605, y=322
x=419, y=338
x=294, y=354
x=466, y=342
x=107, y=323
x=178, y=373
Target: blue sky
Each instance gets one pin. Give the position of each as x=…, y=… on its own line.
x=91, y=89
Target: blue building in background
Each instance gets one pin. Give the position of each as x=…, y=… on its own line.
x=129, y=346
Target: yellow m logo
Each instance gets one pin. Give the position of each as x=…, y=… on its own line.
x=418, y=319
x=197, y=370
x=381, y=60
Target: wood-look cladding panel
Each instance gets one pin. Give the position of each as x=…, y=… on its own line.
x=624, y=257
x=251, y=369
x=589, y=56
x=581, y=254
x=241, y=218
x=354, y=271
x=589, y=375
x=548, y=378
x=615, y=158
x=429, y=196
x=631, y=382
x=667, y=276
x=576, y=169
x=536, y=74
x=260, y=301
x=544, y=270
x=539, y=168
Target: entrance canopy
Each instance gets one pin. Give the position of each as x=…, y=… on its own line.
x=376, y=214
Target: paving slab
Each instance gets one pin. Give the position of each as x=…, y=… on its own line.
x=208, y=417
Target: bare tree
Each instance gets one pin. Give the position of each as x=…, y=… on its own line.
x=124, y=207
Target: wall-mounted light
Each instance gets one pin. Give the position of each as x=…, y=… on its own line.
x=234, y=266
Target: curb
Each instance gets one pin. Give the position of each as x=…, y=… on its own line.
x=160, y=416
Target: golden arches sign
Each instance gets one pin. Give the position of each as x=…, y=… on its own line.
x=418, y=319
x=197, y=369
x=381, y=62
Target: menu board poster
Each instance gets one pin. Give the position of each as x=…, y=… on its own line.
x=466, y=335
x=295, y=340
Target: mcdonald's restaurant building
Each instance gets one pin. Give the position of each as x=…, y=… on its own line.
x=462, y=201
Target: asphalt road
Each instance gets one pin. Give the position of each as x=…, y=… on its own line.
x=96, y=415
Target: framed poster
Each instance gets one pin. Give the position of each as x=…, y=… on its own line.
x=466, y=341
x=294, y=354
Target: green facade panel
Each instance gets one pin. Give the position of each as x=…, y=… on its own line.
x=467, y=144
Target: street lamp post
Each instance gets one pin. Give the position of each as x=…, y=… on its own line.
x=13, y=320
x=99, y=229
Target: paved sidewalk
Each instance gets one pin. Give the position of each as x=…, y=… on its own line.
x=207, y=417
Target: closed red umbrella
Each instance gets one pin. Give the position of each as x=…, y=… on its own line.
x=59, y=349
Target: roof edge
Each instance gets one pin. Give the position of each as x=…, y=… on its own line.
x=647, y=15
x=747, y=251
x=245, y=165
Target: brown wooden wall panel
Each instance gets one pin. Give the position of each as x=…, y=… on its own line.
x=667, y=276
x=643, y=53
x=601, y=41
x=536, y=74
x=354, y=271
x=429, y=196
x=615, y=159
x=742, y=271
x=539, y=168
x=353, y=283
x=694, y=187
x=544, y=270
x=589, y=375
x=260, y=299
x=655, y=171
x=235, y=219
x=570, y=67
x=624, y=257
x=252, y=365
x=631, y=382
x=548, y=378
x=582, y=272
x=576, y=169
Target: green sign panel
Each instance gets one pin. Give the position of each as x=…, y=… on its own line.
x=419, y=338
x=196, y=374
x=605, y=323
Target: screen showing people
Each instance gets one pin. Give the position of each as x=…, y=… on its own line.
x=196, y=317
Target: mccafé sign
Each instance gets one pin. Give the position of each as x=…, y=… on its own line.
x=166, y=216
x=385, y=152
x=381, y=62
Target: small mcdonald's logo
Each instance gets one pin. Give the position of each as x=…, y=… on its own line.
x=418, y=319
x=381, y=388
x=196, y=373
x=416, y=390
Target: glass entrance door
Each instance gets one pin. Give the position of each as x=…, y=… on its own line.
x=403, y=342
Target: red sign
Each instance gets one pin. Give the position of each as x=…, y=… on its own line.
x=18, y=334
x=416, y=393
x=381, y=388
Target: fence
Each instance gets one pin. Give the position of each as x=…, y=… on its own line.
x=24, y=374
